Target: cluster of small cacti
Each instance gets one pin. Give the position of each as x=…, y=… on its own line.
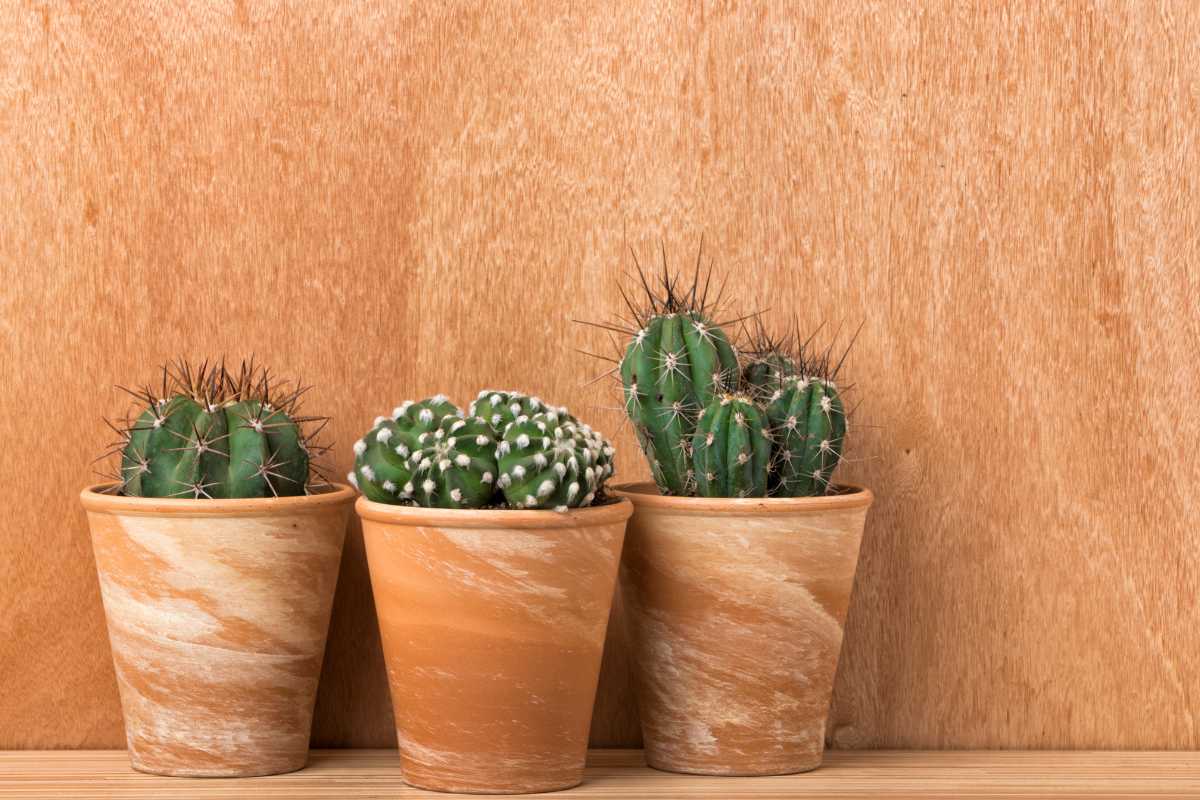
x=214, y=433
x=507, y=450
x=768, y=423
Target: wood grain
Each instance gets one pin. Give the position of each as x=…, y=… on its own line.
x=618, y=774
x=392, y=199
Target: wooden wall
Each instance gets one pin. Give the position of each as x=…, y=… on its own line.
x=392, y=200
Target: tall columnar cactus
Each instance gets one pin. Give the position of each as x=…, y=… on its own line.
x=214, y=434
x=731, y=449
x=429, y=454
x=809, y=423
x=672, y=368
x=549, y=460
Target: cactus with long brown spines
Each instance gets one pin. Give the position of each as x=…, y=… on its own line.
x=212, y=433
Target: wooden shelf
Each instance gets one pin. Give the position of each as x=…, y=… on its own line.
x=356, y=774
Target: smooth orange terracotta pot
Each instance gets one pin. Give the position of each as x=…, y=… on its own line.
x=217, y=615
x=734, y=609
x=493, y=625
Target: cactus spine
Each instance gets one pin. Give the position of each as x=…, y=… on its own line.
x=809, y=423
x=731, y=450
x=672, y=368
x=213, y=434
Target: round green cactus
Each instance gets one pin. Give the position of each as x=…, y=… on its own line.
x=212, y=434
x=731, y=449
x=673, y=368
x=809, y=423
x=427, y=454
x=501, y=407
x=549, y=460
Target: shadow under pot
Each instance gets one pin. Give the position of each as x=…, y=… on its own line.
x=493, y=625
x=734, y=611
x=217, y=615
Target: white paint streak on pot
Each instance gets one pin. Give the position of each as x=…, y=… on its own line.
x=217, y=615
x=493, y=625
x=734, y=609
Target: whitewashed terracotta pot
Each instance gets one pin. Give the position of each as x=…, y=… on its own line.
x=217, y=615
x=734, y=610
x=493, y=625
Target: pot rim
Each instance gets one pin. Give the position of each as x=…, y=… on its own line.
x=646, y=494
x=97, y=501
x=494, y=517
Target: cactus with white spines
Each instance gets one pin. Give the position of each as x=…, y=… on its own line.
x=501, y=407
x=550, y=461
x=731, y=449
x=213, y=433
x=808, y=421
x=429, y=454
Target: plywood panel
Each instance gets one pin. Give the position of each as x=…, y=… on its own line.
x=392, y=199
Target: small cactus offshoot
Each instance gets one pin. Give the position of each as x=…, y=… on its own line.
x=809, y=423
x=509, y=450
x=209, y=432
x=731, y=450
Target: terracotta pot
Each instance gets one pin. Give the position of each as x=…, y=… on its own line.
x=734, y=610
x=217, y=614
x=493, y=625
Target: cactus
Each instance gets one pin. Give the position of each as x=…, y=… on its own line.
x=766, y=372
x=500, y=407
x=549, y=460
x=212, y=434
x=428, y=454
x=809, y=423
x=731, y=449
x=672, y=368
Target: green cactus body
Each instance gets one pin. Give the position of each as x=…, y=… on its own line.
x=500, y=408
x=246, y=448
x=548, y=460
x=671, y=370
x=809, y=423
x=427, y=453
x=767, y=373
x=731, y=449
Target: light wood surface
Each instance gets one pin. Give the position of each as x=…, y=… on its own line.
x=618, y=774
x=391, y=199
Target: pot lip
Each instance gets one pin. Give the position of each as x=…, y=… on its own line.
x=411, y=516
x=97, y=501
x=645, y=494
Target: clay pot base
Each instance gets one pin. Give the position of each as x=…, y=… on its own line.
x=699, y=769
x=454, y=788
x=257, y=771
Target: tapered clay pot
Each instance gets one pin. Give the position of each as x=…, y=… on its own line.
x=217, y=615
x=734, y=609
x=493, y=625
